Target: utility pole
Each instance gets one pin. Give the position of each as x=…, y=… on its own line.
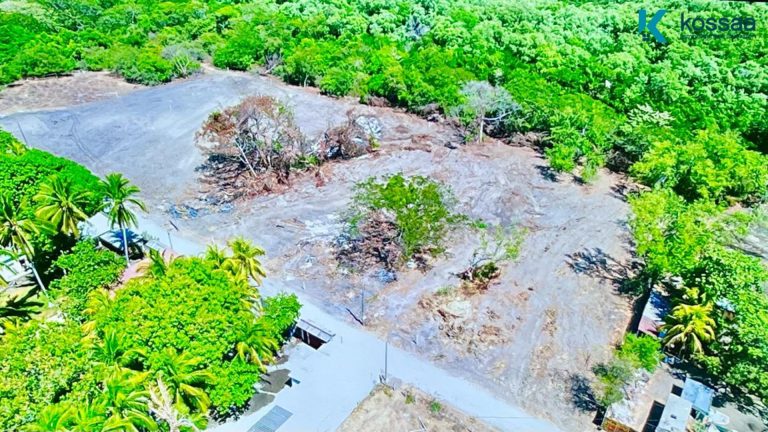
x=362, y=306
x=386, y=359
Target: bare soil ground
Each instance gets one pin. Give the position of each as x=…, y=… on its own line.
x=531, y=338
x=408, y=410
x=46, y=93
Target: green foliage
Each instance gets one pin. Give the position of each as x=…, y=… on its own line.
x=421, y=208
x=711, y=166
x=85, y=269
x=192, y=308
x=611, y=379
x=41, y=360
x=278, y=314
x=435, y=407
x=576, y=69
x=22, y=175
x=641, y=351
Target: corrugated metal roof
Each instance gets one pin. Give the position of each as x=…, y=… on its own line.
x=272, y=420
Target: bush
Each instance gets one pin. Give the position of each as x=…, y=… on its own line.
x=612, y=377
x=421, y=209
x=641, y=351
x=711, y=166
x=85, y=269
x=143, y=66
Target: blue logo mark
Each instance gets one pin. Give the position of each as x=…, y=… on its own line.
x=643, y=24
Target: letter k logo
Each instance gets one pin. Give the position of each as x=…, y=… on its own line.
x=651, y=25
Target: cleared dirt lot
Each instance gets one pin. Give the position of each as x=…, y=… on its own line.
x=408, y=410
x=553, y=313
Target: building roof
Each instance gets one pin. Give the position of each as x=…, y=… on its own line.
x=698, y=394
x=675, y=416
x=654, y=312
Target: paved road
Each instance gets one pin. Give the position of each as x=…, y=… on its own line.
x=338, y=376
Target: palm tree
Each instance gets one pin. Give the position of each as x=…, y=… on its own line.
x=157, y=264
x=126, y=402
x=215, y=255
x=17, y=308
x=88, y=417
x=119, y=195
x=259, y=347
x=52, y=418
x=182, y=373
x=62, y=205
x=162, y=405
x=243, y=262
x=17, y=231
x=689, y=327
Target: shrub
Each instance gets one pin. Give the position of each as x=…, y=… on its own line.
x=641, y=351
x=85, y=269
x=711, y=166
x=421, y=209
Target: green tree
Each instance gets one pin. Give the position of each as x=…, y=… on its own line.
x=185, y=378
x=244, y=262
x=689, y=327
x=62, y=205
x=17, y=231
x=125, y=402
x=120, y=196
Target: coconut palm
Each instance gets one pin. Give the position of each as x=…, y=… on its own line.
x=163, y=406
x=62, y=205
x=17, y=230
x=244, y=262
x=19, y=308
x=689, y=327
x=120, y=196
x=215, y=255
x=157, y=264
x=125, y=402
x=52, y=418
x=185, y=379
x=259, y=347
x=88, y=416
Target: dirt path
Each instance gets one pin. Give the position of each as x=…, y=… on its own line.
x=59, y=92
x=552, y=315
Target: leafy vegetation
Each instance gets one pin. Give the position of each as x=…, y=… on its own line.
x=420, y=208
x=188, y=337
x=577, y=71
x=636, y=352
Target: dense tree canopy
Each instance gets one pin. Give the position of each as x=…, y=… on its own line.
x=587, y=56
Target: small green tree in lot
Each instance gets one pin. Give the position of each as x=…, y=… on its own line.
x=612, y=377
x=641, y=351
x=421, y=208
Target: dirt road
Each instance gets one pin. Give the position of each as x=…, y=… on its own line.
x=553, y=314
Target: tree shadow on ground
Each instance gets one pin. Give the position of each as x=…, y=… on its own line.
x=582, y=396
x=548, y=173
x=596, y=263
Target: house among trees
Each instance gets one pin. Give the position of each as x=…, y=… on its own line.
x=656, y=308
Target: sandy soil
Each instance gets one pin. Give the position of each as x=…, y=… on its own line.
x=551, y=316
x=408, y=410
x=57, y=92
